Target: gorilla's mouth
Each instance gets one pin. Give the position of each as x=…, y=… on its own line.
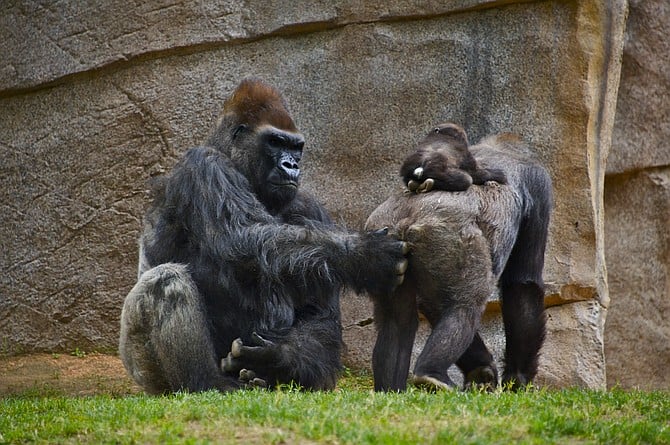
x=292, y=184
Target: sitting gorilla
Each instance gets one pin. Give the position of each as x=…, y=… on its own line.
x=443, y=161
x=463, y=245
x=240, y=272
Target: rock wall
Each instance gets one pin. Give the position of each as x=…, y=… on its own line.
x=93, y=101
x=637, y=206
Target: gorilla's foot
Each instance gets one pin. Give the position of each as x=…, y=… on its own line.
x=516, y=381
x=432, y=384
x=426, y=186
x=483, y=377
x=420, y=187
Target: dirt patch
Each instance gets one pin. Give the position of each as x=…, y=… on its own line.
x=85, y=374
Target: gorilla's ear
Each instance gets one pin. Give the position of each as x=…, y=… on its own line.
x=239, y=129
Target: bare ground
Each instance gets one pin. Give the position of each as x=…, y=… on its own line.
x=66, y=374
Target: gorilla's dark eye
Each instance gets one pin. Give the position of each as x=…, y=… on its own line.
x=437, y=130
x=239, y=129
x=277, y=140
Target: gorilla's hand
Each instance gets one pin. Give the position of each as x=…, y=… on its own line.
x=421, y=178
x=242, y=359
x=426, y=178
x=381, y=263
x=248, y=377
x=420, y=187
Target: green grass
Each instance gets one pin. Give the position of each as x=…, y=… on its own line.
x=352, y=414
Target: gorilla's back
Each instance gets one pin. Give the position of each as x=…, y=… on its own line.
x=437, y=224
x=454, y=234
x=445, y=242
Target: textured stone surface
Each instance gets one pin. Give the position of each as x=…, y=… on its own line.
x=95, y=102
x=641, y=136
x=43, y=42
x=637, y=330
x=637, y=202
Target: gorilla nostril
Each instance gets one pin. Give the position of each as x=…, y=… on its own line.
x=289, y=165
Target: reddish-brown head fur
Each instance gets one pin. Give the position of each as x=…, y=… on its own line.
x=256, y=103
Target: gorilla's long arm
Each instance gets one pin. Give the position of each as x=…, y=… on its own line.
x=210, y=202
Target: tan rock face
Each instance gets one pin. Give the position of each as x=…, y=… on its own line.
x=637, y=203
x=96, y=102
x=637, y=331
x=641, y=137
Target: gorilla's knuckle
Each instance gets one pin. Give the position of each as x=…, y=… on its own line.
x=401, y=267
x=237, y=348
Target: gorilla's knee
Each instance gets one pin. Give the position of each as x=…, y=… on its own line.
x=158, y=291
x=161, y=315
x=169, y=280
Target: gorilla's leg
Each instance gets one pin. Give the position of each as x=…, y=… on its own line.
x=450, y=338
x=524, y=318
x=396, y=320
x=477, y=365
x=165, y=341
x=521, y=285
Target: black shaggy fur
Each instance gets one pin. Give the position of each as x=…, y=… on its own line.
x=238, y=265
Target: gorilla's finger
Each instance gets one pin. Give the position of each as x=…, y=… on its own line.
x=412, y=185
x=260, y=341
x=426, y=186
x=236, y=347
x=258, y=383
x=246, y=375
x=401, y=268
x=230, y=364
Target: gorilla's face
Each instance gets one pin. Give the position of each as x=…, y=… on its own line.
x=270, y=159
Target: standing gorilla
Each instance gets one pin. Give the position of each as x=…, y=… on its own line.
x=240, y=272
x=463, y=245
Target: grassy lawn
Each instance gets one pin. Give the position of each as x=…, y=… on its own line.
x=352, y=414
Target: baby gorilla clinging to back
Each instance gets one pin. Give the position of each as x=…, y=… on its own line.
x=442, y=161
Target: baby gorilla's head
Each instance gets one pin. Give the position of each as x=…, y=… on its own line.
x=442, y=161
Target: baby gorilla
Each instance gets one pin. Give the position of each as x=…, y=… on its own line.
x=442, y=161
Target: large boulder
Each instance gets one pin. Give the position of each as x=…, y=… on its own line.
x=95, y=101
x=637, y=203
